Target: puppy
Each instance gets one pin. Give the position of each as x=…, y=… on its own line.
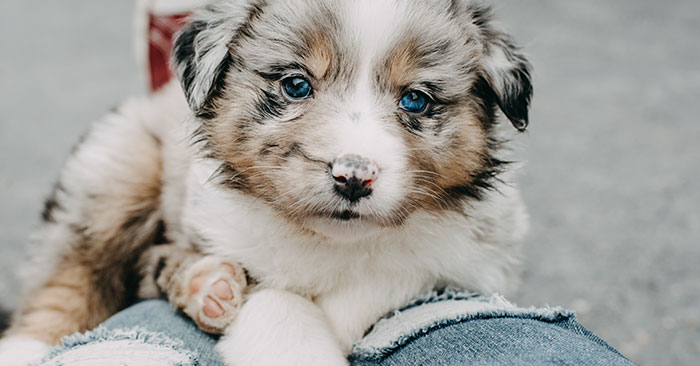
x=347, y=153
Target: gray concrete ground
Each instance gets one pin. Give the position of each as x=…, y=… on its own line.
x=613, y=153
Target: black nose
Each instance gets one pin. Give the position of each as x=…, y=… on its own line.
x=351, y=189
x=353, y=176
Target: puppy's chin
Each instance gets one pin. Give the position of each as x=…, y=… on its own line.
x=342, y=231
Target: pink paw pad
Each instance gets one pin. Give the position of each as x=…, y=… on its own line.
x=215, y=294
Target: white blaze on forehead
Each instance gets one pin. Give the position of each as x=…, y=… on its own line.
x=373, y=22
x=371, y=26
x=365, y=124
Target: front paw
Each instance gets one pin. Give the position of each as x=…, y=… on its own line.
x=214, y=293
x=276, y=327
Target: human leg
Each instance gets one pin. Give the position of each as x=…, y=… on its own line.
x=441, y=329
x=149, y=333
x=459, y=329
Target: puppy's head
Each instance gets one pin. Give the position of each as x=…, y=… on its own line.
x=351, y=115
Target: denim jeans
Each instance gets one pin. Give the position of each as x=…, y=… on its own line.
x=445, y=328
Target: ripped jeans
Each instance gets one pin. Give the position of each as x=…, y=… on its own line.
x=440, y=329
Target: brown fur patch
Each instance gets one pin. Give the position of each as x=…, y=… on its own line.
x=400, y=64
x=67, y=303
x=321, y=54
x=102, y=231
x=436, y=169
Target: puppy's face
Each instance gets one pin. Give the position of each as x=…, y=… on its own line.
x=348, y=116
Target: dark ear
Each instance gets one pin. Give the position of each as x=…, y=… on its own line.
x=506, y=69
x=201, y=55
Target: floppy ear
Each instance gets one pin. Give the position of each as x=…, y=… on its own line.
x=201, y=55
x=507, y=71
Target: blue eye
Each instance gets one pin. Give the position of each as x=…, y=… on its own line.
x=296, y=87
x=414, y=101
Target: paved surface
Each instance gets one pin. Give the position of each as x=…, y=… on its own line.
x=613, y=151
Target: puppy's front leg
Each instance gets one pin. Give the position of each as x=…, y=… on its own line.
x=276, y=327
x=351, y=310
x=206, y=288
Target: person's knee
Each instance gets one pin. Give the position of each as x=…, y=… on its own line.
x=134, y=347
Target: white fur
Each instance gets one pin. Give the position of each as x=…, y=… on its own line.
x=22, y=351
x=374, y=23
x=278, y=327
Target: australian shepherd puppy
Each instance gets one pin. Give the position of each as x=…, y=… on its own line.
x=321, y=163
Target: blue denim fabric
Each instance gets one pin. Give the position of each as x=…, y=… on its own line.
x=141, y=332
x=452, y=328
x=501, y=341
x=440, y=329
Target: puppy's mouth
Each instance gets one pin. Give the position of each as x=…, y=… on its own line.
x=345, y=215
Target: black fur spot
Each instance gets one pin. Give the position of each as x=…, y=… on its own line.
x=481, y=181
x=245, y=30
x=271, y=76
x=159, y=268
x=277, y=72
x=159, y=237
x=51, y=205
x=515, y=99
x=207, y=110
x=514, y=94
x=131, y=279
x=411, y=123
x=484, y=94
x=231, y=178
x=186, y=50
x=481, y=15
x=269, y=106
x=184, y=53
x=199, y=136
x=437, y=114
x=267, y=149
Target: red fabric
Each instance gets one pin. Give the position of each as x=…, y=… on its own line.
x=161, y=29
